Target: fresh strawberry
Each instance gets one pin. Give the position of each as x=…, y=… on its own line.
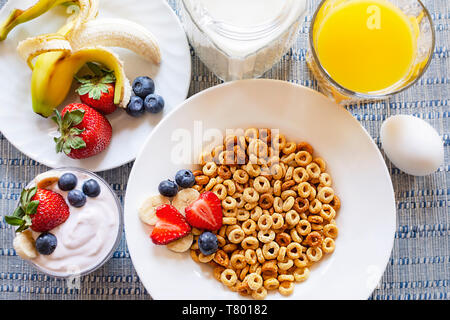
x=97, y=91
x=40, y=209
x=205, y=212
x=84, y=131
x=171, y=225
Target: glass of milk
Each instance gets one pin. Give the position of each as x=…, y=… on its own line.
x=241, y=39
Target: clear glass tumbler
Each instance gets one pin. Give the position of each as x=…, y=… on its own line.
x=421, y=26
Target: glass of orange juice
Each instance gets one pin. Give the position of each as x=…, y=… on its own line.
x=369, y=49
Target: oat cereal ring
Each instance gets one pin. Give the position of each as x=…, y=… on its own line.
x=230, y=212
x=287, y=185
x=205, y=259
x=314, y=219
x=256, y=213
x=217, y=272
x=328, y=245
x=313, y=170
x=243, y=272
x=221, y=240
x=265, y=135
x=265, y=222
x=331, y=231
x=314, y=239
x=277, y=188
x=194, y=245
x=253, y=170
x=300, y=175
x=260, y=256
x=224, y=172
x=249, y=226
x=301, y=274
x=250, y=195
x=325, y=179
x=288, y=204
x=212, y=182
x=240, y=176
x=229, y=220
x=240, y=203
x=194, y=255
x=313, y=194
x=228, y=277
x=231, y=187
x=271, y=283
x=197, y=187
x=325, y=194
x=236, y=235
x=261, y=184
x=278, y=204
x=288, y=158
x=301, y=205
x=250, y=256
x=250, y=243
x=201, y=180
x=335, y=203
x=292, y=217
x=220, y=191
x=229, y=248
x=304, y=189
x=302, y=261
x=278, y=221
x=286, y=277
x=251, y=133
x=295, y=236
x=238, y=261
x=270, y=250
x=316, y=227
x=315, y=206
x=265, y=201
x=321, y=163
x=243, y=289
x=286, y=288
x=294, y=250
x=210, y=169
x=303, y=158
x=269, y=269
x=279, y=141
x=305, y=146
x=283, y=239
x=288, y=193
x=289, y=148
x=314, y=254
x=327, y=212
x=288, y=175
x=277, y=172
x=205, y=157
x=303, y=227
x=281, y=254
x=266, y=236
x=229, y=203
x=260, y=293
x=254, y=281
x=258, y=148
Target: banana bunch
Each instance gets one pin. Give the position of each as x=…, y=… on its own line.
x=55, y=58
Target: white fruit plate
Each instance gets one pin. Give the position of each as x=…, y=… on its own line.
x=366, y=220
x=33, y=135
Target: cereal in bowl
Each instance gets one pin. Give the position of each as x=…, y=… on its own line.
x=278, y=208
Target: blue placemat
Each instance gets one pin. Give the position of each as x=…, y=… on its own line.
x=419, y=267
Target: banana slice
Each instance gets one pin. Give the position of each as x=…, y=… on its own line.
x=184, y=198
x=147, y=212
x=181, y=245
x=46, y=179
x=24, y=245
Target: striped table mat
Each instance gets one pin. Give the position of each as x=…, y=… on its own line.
x=419, y=266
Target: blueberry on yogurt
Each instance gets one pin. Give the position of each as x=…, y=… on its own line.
x=46, y=243
x=91, y=188
x=67, y=181
x=76, y=198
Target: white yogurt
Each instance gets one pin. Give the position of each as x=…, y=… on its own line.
x=240, y=39
x=87, y=237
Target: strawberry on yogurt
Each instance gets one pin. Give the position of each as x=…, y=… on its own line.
x=83, y=240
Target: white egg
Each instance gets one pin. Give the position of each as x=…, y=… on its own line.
x=412, y=145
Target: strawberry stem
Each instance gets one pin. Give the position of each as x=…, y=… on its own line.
x=69, y=138
x=21, y=217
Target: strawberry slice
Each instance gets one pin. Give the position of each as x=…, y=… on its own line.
x=205, y=213
x=171, y=225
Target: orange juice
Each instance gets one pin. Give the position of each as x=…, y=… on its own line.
x=366, y=46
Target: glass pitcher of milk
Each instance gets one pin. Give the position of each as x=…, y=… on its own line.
x=241, y=39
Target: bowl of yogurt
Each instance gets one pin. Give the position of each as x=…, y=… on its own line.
x=90, y=233
x=241, y=39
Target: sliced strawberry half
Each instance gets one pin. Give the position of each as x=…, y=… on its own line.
x=171, y=225
x=205, y=212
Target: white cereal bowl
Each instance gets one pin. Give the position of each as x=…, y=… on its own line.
x=366, y=220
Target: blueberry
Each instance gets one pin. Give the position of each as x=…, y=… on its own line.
x=153, y=103
x=46, y=243
x=168, y=188
x=67, y=181
x=143, y=86
x=135, y=107
x=76, y=198
x=91, y=188
x=207, y=243
x=185, y=178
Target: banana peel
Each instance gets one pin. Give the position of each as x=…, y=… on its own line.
x=53, y=74
x=18, y=16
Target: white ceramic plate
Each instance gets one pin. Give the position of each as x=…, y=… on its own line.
x=366, y=219
x=32, y=134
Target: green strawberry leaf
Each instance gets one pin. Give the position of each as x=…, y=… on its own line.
x=22, y=214
x=96, y=84
x=69, y=135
